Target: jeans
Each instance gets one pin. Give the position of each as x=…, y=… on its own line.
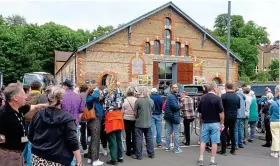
x=171, y=127
x=210, y=132
x=252, y=129
x=156, y=125
x=246, y=128
x=103, y=134
x=239, y=132
x=268, y=136
x=139, y=140
x=129, y=126
x=73, y=163
x=27, y=154
x=229, y=125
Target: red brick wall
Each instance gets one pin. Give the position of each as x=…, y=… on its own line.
x=115, y=53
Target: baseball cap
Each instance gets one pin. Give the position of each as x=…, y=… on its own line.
x=154, y=90
x=68, y=83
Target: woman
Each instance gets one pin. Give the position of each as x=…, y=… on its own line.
x=253, y=116
x=93, y=100
x=265, y=111
x=52, y=133
x=114, y=121
x=129, y=121
x=275, y=124
x=187, y=114
x=83, y=123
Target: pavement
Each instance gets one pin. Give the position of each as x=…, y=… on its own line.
x=252, y=155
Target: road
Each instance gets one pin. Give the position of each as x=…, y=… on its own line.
x=252, y=155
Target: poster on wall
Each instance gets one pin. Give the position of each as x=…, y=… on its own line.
x=145, y=80
x=198, y=80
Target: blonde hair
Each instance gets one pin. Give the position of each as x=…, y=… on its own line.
x=55, y=95
x=143, y=91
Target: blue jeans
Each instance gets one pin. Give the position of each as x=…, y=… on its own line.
x=239, y=137
x=156, y=125
x=252, y=129
x=171, y=127
x=27, y=154
x=73, y=163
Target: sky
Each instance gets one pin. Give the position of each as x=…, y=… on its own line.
x=92, y=13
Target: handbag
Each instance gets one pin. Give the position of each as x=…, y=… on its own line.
x=89, y=114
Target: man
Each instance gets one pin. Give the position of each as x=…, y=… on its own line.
x=187, y=114
x=172, y=117
x=248, y=101
x=12, y=130
x=73, y=103
x=33, y=97
x=144, y=107
x=156, y=117
x=231, y=104
x=212, y=118
x=239, y=135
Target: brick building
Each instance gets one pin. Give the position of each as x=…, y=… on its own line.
x=156, y=49
x=266, y=55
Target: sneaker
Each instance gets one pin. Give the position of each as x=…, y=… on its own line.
x=97, y=163
x=178, y=151
x=213, y=164
x=120, y=160
x=241, y=146
x=105, y=153
x=159, y=146
x=200, y=162
x=110, y=162
x=275, y=155
x=89, y=161
x=266, y=145
x=232, y=152
x=250, y=140
x=167, y=149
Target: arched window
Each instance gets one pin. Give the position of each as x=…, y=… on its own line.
x=156, y=47
x=186, y=51
x=167, y=42
x=103, y=81
x=217, y=80
x=147, y=48
x=178, y=46
x=167, y=21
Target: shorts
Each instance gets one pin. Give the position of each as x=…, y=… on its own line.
x=210, y=130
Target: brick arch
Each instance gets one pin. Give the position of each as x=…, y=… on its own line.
x=130, y=66
x=99, y=80
x=221, y=77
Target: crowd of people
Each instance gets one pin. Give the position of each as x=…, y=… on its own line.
x=43, y=129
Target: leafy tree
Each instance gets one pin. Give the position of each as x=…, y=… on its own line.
x=261, y=77
x=16, y=20
x=274, y=69
x=244, y=39
x=29, y=47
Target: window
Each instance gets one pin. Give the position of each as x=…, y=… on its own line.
x=178, y=51
x=164, y=75
x=186, y=51
x=257, y=69
x=167, y=42
x=147, y=48
x=156, y=47
x=167, y=21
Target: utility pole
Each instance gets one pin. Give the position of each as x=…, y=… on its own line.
x=228, y=40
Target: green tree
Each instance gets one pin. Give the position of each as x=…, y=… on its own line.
x=16, y=20
x=274, y=69
x=244, y=40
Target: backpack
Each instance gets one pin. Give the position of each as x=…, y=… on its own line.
x=32, y=99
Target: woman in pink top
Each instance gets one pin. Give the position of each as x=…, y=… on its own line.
x=129, y=121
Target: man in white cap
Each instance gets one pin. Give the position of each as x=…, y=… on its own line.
x=156, y=116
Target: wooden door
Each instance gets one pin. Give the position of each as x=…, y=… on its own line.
x=185, y=73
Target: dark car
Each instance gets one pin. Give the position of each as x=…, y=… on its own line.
x=259, y=89
x=194, y=91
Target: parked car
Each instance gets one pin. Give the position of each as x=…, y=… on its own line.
x=259, y=89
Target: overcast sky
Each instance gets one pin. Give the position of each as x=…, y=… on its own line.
x=89, y=14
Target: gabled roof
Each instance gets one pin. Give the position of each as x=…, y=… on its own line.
x=268, y=48
x=167, y=5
